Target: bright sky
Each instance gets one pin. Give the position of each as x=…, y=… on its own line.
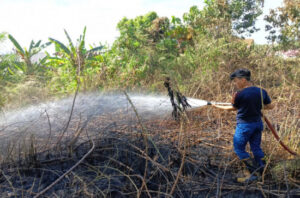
x=37, y=20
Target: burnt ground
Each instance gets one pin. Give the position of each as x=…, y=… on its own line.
x=115, y=155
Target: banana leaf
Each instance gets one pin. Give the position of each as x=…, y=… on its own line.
x=31, y=46
x=91, y=53
x=62, y=46
x=73, y=49
x=37, y=44
x=55, y=58
x=16, y=44
x=82, y=40
x=19, y=67
x=45, y=45
x=43, y=61
x=10, y=71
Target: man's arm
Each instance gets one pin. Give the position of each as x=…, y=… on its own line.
x=225, y=107
x=269, y=106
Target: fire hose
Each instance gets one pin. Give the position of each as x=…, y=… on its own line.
x=277, y=137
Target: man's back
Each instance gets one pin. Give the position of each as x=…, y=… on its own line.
x=249, y=104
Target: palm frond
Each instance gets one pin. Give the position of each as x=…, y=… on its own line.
x=10, y=71
x=82, y=40
x=31, y=46
x=55, y=58
x=93, y=52
x=70, y=41
x=60, y=45
x=37, y=44
x=16, y=44
x=45, y=45
x=43, y=61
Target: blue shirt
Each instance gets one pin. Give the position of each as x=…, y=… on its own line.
x=249, y=104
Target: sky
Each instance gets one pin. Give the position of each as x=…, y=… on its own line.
x=37, y=20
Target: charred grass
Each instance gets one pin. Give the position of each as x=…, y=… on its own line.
x=152, y=158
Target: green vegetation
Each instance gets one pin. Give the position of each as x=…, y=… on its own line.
x=27, y=66
x=72, y=64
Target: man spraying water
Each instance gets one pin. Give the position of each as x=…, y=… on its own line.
x=248, y=101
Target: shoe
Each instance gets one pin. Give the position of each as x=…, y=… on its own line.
x=248, y=170
x=252, y=178
x=247, y=177
x=249, y=164
x=260, y=165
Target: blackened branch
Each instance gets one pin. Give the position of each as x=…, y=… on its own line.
x=180, y=105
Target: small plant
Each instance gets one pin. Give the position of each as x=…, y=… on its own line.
x=71, y=62
x=29, y=67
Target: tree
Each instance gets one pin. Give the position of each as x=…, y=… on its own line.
x=26, y=55
x=135, y=46
x=220, y=17
x=284, y=24
x=137, y=32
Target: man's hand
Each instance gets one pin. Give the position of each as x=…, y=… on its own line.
x=233, y=97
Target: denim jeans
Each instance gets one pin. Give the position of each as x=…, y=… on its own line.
x=248, y=132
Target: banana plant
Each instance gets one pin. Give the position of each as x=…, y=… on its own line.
x=26, y=55
x=76, y=56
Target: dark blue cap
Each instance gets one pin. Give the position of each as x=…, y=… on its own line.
x=241, y=73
